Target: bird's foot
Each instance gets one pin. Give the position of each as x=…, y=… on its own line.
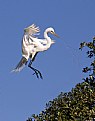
x=38, y=73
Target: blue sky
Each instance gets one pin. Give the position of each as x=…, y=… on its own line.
x=22, y=94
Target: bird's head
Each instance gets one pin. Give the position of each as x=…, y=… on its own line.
x=51, y=30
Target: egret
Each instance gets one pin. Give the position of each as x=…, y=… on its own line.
x=31, y=45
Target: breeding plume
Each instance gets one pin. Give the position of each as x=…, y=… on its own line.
x=31, y=45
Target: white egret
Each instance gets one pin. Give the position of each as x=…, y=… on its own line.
x=31, y=45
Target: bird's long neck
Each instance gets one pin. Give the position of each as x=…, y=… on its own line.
x=46, y=35
x=48, y=39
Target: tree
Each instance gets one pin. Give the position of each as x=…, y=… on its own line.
x=79, y=103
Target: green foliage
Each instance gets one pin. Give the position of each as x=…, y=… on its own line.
x=90, y=54
x=79, y=103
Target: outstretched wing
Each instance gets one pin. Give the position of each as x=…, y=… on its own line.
x=32, y=30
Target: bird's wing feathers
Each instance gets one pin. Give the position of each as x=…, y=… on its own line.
x=20, y=65
x=32, y=30
x=43, y=41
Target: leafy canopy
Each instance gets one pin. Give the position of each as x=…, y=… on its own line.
x=79, y=103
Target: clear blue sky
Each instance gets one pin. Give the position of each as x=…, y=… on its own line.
x=22, y=94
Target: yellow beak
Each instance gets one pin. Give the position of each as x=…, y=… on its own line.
x=55, y=34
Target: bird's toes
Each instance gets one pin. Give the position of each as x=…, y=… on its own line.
x=41, y=76
x=36, y=74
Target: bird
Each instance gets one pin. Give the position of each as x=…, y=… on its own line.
x=32, y=45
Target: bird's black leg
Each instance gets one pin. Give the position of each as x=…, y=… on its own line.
x=37, y=72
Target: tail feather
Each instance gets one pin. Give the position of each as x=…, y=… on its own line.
x=20, y=65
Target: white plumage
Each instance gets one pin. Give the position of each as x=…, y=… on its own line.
x=31, y=45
